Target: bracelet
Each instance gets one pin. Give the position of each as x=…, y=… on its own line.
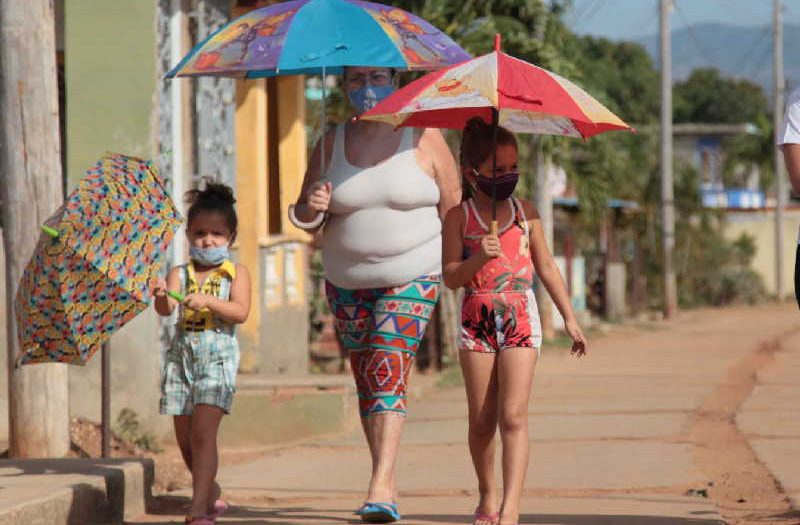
x=305, y=225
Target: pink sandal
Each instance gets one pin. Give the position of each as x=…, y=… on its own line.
x=220, y=506
x=482, y=516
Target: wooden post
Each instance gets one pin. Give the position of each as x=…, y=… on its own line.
x=31, y=190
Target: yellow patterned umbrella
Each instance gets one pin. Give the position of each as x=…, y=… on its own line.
x=91, y=271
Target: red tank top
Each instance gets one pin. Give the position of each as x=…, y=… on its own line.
x=512, y=271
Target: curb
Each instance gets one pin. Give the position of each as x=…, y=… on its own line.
x=74, y=491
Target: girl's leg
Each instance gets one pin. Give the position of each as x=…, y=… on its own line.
x=183, y=433
x=205, y=424
x=515, y=368
x=480, y=378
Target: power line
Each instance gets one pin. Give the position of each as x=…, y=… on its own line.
x=692, y=34
x=746, y=55
x=589, y=12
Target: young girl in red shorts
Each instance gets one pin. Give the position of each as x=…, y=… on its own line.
x=500, y=330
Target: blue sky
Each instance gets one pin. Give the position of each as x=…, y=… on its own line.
x=621, y=19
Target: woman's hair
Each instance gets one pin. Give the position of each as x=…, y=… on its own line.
x=476, y=147
x=215, y=197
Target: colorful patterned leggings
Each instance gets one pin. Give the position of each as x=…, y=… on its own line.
x=382, y=328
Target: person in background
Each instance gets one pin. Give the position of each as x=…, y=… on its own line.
x=788, y=139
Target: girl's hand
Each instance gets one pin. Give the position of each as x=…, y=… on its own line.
x=490, y=247
x=578, y=339
x=159, y=287
x=196, y=301
x=319, y=196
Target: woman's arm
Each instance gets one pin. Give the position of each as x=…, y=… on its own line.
x=311, y=181
x=457, y=272
x=236, y=309
x=445, y=169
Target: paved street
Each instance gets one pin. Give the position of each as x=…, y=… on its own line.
x=657, y=416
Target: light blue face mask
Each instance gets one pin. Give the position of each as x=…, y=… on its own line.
x=209, y=256
x=365, y=98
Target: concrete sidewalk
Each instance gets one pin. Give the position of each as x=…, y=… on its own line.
x=614, y=437
x=79, y=491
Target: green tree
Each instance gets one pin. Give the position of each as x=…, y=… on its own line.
x=708, y=96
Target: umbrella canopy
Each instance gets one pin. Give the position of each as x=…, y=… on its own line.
x=91, y=271
x=527, y=99
x=307, y=36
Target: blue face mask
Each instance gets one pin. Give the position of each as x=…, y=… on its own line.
x=209, y=256
x=367, y=97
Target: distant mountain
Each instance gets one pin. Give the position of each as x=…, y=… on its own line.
x=737, y=51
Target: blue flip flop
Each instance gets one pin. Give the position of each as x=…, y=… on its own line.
x=379, y=513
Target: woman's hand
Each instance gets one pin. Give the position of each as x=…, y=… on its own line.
x=319, y=196
x=196, y=301
x=578, y=339
x=490, y=247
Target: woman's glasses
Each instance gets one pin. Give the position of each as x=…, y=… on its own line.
x=374, y=78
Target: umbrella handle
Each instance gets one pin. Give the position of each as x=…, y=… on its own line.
x=52, y=232
x=493, y=228
x=176, y=295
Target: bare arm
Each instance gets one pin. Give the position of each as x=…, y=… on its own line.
x=791, y=154
x=456, y=271
x=445, y=169
x=236, y=309
x=301, y=209
x=551, y=278
x=546, y=266
x=165, y=304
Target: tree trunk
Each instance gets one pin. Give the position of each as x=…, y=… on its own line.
x=31, y=190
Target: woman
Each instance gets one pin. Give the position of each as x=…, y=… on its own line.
x=382, y=198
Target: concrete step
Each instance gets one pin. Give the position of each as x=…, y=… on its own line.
x=271, y=409
x=74, y=491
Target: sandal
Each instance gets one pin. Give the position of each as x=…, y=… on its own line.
x=219, y=508
x=482, y=516
x=200, y=520
x=379, y=513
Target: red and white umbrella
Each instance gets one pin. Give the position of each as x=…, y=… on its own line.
x=527, y=99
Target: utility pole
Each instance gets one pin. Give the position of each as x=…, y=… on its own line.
x=667, y=199
x=31, y=190
x=780, y=179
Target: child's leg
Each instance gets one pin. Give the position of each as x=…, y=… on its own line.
x=480, y=378
x=515, y=368
x=205, y=423
x=183, y=433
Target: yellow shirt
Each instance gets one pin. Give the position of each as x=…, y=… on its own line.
x=213, y=285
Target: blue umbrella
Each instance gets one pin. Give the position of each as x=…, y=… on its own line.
x=312, y=36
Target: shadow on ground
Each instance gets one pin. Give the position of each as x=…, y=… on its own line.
x=173, y=509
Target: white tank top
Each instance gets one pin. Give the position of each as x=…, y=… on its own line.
x=383, y=228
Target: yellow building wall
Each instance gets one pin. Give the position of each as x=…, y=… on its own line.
x=761, y=226
x=270, y=138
